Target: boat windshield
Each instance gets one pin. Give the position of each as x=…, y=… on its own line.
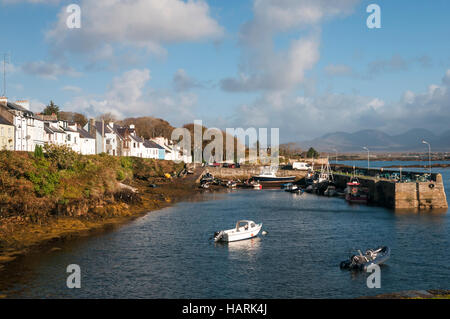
x=243, y=223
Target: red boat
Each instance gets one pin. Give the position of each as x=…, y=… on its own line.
x=355, y=193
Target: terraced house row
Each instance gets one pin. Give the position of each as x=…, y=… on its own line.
x=23, y=130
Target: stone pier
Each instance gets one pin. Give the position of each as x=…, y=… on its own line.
x=421, y=195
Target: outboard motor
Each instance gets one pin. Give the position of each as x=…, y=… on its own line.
x=218, y=235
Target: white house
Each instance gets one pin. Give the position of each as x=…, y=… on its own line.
x=153, y=150
x=172, y=151
x=107, y=140
x=87, y=142
x=72, y=135
x=29, y=130
x=53, y=134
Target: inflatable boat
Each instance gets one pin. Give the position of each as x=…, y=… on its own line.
x=372, y=256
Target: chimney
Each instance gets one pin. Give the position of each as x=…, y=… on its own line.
x=24, y=103
x=91, y=127
x=3, y=100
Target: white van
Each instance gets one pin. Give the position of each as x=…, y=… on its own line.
x=301, y=166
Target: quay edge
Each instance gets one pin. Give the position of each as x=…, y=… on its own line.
x=402, y=196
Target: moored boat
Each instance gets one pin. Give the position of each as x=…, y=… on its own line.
x=355, y=193
x=244, y=229
x=331, y=190
x=269, y=178
x=292, y=188
x=231, y=184
x=376, y=256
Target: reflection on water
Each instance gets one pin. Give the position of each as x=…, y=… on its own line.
x=170, y=253
x=245, y=250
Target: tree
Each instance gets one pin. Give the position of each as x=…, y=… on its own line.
x=50, y=109
x=312, y=153
x=290, y=149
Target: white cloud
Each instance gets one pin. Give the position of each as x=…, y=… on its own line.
x=130, y=95
x=301, y=118
x=49, y=70
x=183, y=82
x=145, y=24
x=71, y=88
x=277, y=71
x=30, y=1
x=267, y=68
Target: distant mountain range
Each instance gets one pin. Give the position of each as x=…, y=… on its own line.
x=379, y=141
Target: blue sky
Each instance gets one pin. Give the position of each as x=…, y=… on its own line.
x=307, y=67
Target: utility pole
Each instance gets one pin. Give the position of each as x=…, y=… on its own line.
x=368, y=158
x=429, y=154
x=6, y=58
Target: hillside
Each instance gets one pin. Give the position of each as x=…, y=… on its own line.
x=378, y=140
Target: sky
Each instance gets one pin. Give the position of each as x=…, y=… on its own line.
x=307, y=67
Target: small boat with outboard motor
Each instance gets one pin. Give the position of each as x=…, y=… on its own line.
x=292, y=188
x=231, y=184
x=207, y=178
x=376, y=256
x=244, y=229
x=331, y=190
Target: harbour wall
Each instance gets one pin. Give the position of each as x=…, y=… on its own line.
x=402, y=196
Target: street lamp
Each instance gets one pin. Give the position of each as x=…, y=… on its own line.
x=368, y=157
x=335, y=150
x=429, y=153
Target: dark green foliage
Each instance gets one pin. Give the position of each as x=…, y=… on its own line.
x=312, y=153
x=38, y=184
x=50, y=109
x=38, y=152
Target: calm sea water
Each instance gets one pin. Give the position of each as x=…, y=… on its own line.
x=169, y=253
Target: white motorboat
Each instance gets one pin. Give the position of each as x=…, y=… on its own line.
x=244, y=229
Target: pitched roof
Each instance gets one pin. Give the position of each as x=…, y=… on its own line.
x=151, y=144
x=16, y=107
x=52, y=129
x=98, y=127
x=4, y=121
x=69, y=129
x=48, y=130
x=84, y=133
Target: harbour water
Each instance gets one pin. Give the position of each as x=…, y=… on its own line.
x=170, y=254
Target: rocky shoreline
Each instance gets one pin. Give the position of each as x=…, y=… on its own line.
x=414, y=294
x=22, y=236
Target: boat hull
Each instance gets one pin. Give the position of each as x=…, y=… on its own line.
x=231, y=235
x=273, y=181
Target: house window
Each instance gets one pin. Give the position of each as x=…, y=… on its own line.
x=3, y=131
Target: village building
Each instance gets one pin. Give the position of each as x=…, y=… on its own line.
x=6, y=134
x=87, y=142
x=29, y=129
x=153, y=150
x=107, y=140
x=172, y=151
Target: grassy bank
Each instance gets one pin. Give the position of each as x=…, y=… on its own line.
x=58, y=193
